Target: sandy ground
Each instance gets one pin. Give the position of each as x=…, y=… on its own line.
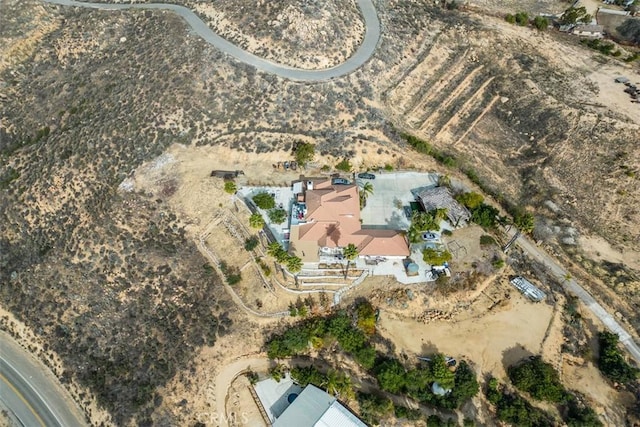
x=491, y=342
x=239, y=405
x=599, y=249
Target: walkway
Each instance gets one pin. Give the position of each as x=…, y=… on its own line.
x=361, y=56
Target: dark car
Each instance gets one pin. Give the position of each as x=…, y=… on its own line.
x=366, y=175
x=340, y=181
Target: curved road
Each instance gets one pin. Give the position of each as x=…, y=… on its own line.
x=362, y=54
x=30, y=393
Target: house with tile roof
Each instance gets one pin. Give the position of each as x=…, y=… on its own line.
x=325, y=218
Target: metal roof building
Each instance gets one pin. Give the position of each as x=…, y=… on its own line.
x=315, y=408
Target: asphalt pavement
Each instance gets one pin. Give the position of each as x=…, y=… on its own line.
x=360, y=56
x=30, y=392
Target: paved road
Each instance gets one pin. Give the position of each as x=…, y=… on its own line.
x=572, y=286
x=30, y=392
x=362, y=54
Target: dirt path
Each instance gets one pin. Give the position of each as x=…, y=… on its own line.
x=226, y=376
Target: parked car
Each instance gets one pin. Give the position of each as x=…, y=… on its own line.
x=366, y=175
x=429, y=236
x=340, y=181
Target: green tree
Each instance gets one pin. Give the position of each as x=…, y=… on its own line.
x=350, y=252
x=524, y=221
x=485, y=216
x=611, y=362
x=575, y=14
x=230, y=187
x=366, y=190
x=630, y=30
x=391, y=375
x=277, y=216
x=308, y=375
x=305, y=153
x=344, y=165
x=541, y=23
x=256, y=220
x=264, y=201
x=436, y=256
x=539, y=379
x=441, y=373
x=294, y=264
x=374, y=408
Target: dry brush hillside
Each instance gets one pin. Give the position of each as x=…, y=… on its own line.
x=114, y=283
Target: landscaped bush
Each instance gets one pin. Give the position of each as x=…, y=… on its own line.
x=277, y=216
x=231, y=274
x=436, y=256
x=256, y=220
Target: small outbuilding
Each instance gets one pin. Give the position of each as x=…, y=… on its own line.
x=441, y=198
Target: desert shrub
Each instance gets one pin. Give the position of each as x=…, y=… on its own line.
x=344, y=165
x=264, y=201
x=277, y=216
x=497, y=263
x=611, y=362
x=424, y=147
x=447, y=233
x=251, y=243
x=522, y=19
x=539, y=379
x=230, y=187
x=407, y=413
x=471, y=199
x=541, y=23
x=513, y=409
x=486, y=240
x=366, y=317
x=388, y=167
x=231, y=274
x=511, y=19
x=579, y=414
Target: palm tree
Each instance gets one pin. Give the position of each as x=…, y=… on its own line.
x=338, y=384
x=256, y=220
x=350, y=252
x=294, y=264
x=365, y=191
x=274, y=249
